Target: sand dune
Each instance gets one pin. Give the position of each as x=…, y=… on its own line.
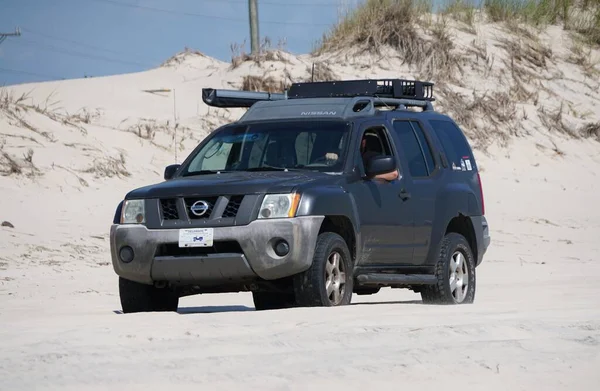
x=70, y=150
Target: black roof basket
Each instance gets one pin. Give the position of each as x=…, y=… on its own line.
x=415, y=90
x=383, y=88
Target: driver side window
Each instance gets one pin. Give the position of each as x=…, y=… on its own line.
x=374, y=142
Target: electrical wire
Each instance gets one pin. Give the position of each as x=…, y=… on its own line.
x=46, y=35
x=7, y=70
x=75, y=53
x=52, y=48
x=193, y=14
x=283, y=4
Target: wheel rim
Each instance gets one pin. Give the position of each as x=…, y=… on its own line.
x=459, y=277
x=335, y=278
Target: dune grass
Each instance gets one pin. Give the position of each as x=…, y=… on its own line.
x=395, y=23
x=422, y=37
x=403, y=25
x=581, y=16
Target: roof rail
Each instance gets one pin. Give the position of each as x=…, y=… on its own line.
x=382, y=88
x=234, y=98
x=402, y=103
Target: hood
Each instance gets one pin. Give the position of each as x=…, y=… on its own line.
x=230, y=183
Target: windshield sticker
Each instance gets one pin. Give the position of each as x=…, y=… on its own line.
x=463, y=166
x=237, y=138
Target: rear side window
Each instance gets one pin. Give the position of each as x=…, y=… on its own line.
x=455, y=145
x=424, y=146
x=415, y=147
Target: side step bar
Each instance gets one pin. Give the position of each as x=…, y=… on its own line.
x=396, y=279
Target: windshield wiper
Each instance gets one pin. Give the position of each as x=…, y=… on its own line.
x=253, y=169
x=265, y=168
x=268, y=168
x=204, y=172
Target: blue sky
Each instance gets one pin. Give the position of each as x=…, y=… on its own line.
x=74, y=38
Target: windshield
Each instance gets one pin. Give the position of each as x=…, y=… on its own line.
x=300, y=145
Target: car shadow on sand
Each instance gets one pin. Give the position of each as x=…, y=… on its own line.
x=243, y=308
x=206, y=309
x=212, y=309
x=388, y=302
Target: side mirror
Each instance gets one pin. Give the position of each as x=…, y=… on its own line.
x=380, y=165
x=170, y=171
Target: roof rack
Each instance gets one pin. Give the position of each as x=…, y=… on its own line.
x=404, y=92
x=383, y=88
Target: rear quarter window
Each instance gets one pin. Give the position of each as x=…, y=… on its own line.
x=455, y=144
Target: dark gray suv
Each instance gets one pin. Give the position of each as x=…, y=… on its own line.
x=328, y=189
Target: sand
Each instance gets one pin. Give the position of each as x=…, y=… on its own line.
x=535, y=323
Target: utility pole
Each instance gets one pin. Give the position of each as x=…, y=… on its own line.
x=253, y=8
x=3, y=36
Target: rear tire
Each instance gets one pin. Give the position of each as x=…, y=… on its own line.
x=330, y=279
x=137, y=297
x=272, y=301
x=455, y=273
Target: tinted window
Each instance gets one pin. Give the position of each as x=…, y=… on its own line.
x=412, y=150
x=304, y=145
x=453, y=140
x=424, y=146
x=376, y=142
x=311, y=145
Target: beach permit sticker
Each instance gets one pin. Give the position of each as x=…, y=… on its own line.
x=468, y=163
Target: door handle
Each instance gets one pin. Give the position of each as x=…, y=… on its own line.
x=404, y=195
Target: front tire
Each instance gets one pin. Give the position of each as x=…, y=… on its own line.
x=137, y=297
x=329, y=281
x=455, y=273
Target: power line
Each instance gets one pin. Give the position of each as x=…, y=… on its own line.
x=193, y=14
x=284, y=4
x=26, y=29
x=7, y=70
x=80, y=54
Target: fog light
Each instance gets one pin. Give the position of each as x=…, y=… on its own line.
x=282, y=248
x=126, y=254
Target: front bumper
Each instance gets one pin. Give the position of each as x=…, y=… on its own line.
x=257, y=257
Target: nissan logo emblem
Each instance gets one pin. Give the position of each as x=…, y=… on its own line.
x=199, y=208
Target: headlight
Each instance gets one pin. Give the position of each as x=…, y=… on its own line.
x=276, y=206
x=133, y=212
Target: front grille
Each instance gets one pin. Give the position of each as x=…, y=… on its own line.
x=229, y=207
x=173, y=249
x=169, y=209
x=210, y=201
x=233, y=206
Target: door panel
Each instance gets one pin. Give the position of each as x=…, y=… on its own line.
x=386, y=220
x=421, y=177
x=386, y=223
